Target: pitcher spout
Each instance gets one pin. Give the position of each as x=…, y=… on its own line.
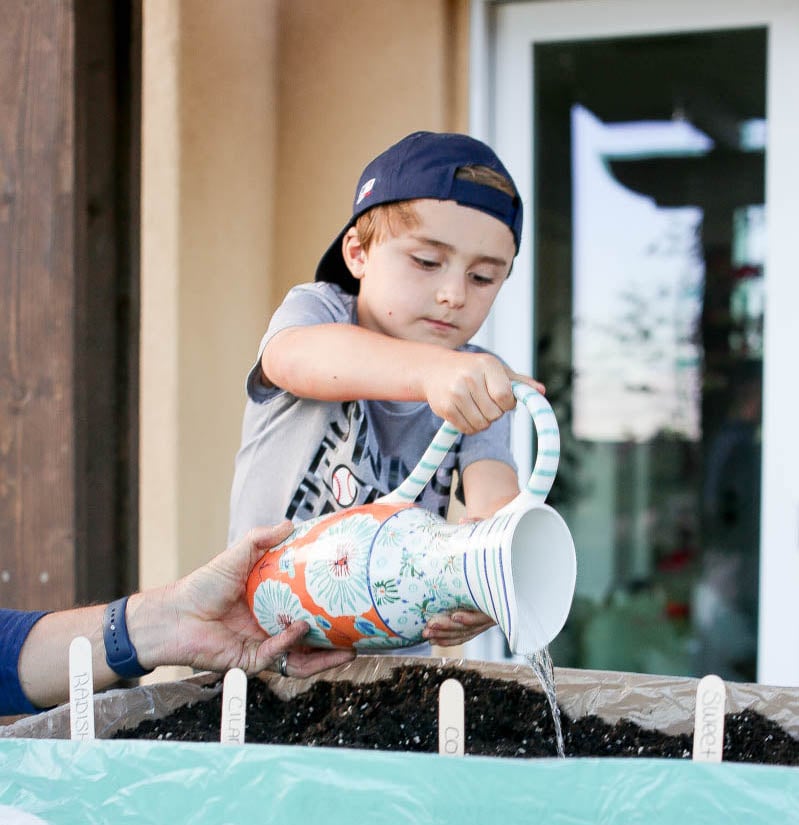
x=520, y=568
x=543, y=577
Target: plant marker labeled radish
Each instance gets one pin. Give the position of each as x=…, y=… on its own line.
x=711, y=701
x=450, y=718
x=234, y=707
x=81, y=689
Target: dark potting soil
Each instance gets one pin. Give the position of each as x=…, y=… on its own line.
x=502, y=719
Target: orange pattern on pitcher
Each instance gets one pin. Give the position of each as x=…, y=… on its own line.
x=342, y=631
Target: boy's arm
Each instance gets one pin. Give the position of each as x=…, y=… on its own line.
x=487, y=486
x=343, y=362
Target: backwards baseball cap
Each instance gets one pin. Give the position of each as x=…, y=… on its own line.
x=424, y=165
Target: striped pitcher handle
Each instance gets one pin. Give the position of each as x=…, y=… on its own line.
x=546, y=459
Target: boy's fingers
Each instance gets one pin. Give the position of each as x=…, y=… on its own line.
x=531, y=382
x=448, y=639
x=471, y=619
x=458, y=626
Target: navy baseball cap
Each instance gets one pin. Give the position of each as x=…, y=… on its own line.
x=423, y=165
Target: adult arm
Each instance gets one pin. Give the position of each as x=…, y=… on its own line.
x=202, y=621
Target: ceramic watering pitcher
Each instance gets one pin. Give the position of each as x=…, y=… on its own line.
x=372, y=576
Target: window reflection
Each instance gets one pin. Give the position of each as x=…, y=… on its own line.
x=649, y=249
x=638, y=278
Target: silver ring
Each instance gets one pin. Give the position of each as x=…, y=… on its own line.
x=283, y=663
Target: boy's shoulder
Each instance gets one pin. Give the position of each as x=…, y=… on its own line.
x=327, y=298
x=321, y=289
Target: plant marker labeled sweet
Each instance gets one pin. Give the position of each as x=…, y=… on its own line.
x=373, y=575
x=81, y=689
x=451, y=734
x=234, y=707
x=711, y=701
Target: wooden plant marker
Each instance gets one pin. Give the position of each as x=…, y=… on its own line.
x=711, y=700
x=81, y=689
x=234, y=707
x=450, y=718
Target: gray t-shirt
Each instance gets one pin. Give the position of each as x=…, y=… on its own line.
x=301, y=458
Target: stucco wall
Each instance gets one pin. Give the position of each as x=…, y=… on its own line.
x=258, y=116
x=354, y=76
x=209, y=101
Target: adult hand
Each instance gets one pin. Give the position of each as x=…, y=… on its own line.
x=203, y=620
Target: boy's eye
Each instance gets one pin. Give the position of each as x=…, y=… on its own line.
x=482, y=280
x=424, y=263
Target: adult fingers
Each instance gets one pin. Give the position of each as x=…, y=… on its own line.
x=270, y=650
x=301, y=664
x=287, y=639
x=261, y=539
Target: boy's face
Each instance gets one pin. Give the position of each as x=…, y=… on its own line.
x=433, y=282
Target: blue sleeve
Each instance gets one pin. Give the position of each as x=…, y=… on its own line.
x=14, y=628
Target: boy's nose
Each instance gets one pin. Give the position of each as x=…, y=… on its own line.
x=451, y=291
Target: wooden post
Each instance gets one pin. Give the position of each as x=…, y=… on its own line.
x=37, y=280
x=68, y=300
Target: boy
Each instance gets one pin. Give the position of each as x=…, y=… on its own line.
x=357, y=370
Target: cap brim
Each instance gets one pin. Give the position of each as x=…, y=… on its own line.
x=333, y=270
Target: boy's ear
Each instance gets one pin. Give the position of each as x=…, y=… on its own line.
x=353, y=253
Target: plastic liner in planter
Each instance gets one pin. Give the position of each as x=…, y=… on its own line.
x=157, y=782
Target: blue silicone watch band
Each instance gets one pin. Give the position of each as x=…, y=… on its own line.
x=120, y=655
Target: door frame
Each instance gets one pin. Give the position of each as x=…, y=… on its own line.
x=502, y=36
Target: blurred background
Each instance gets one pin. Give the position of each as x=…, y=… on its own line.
x=169, y=168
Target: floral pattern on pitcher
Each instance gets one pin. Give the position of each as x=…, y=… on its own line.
x=276, y=607
x=325, y=564
x=427, y=574
x=363, y=582
x=374, y=638
x=337, y=579
x=286, y=563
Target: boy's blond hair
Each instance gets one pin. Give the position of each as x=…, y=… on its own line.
x=373, y=225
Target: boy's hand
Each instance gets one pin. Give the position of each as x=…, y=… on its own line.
x=471, y=389
x=456, y=628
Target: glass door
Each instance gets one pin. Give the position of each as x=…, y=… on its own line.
x=656, y=297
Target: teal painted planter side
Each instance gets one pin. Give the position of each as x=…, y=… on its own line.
x=141, y=782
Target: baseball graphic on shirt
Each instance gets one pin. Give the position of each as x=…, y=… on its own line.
x=344, y=486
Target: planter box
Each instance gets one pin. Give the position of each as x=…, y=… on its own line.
x=662, y=702
x=145, y=781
